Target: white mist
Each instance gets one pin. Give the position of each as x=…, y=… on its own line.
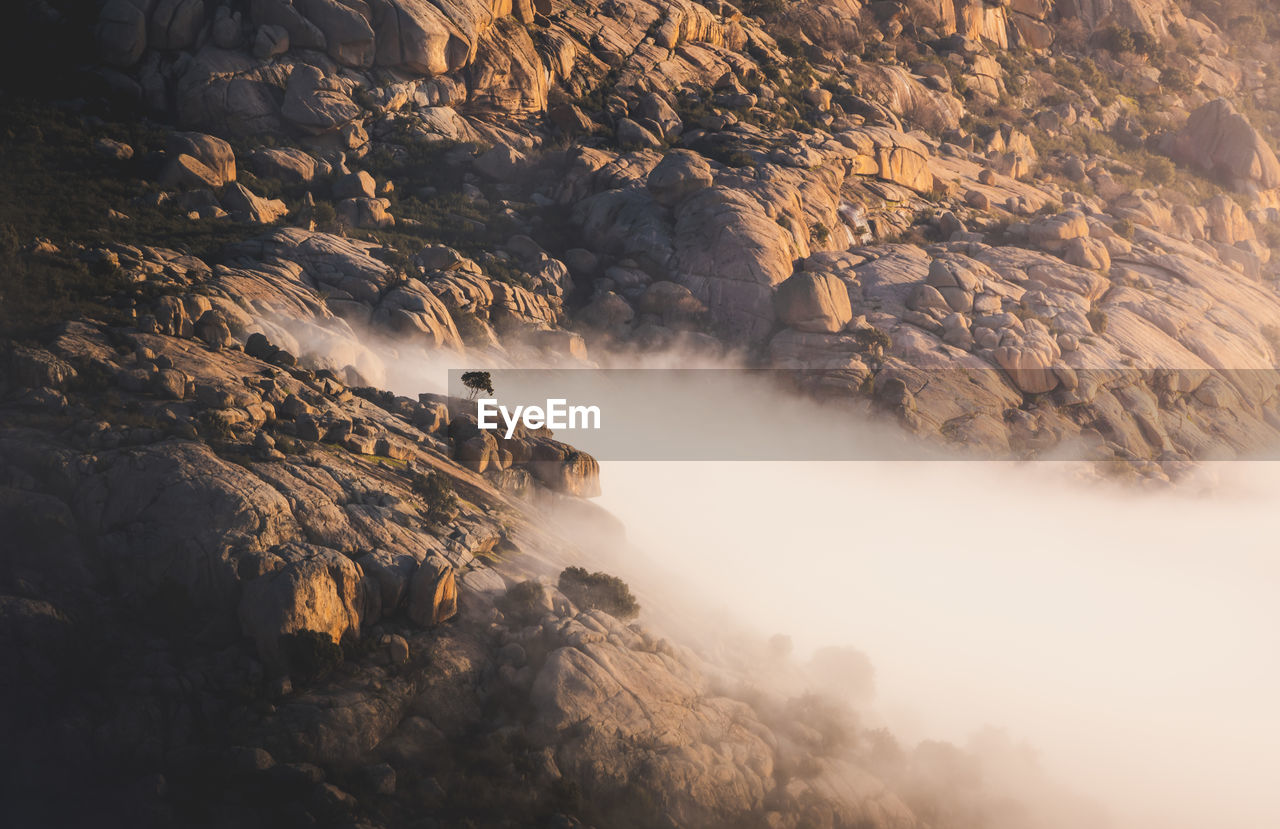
x=1133, y=638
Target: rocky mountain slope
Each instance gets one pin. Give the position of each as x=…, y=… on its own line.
x=1064, y=214
x=181, y=568
x=244, y=586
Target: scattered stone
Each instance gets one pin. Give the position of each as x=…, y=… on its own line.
x=169, y=383
x=115, y=150
x=245, y=206
x=259, y=347
x=817, y=302
x=270, y=41
x=354, y=186
x=316, y=102
x=287, y=164
x=1087, y=253
x=680, y=174
x=226, y=28
x=212, y=328
x=189, y=172
x=501, y=163
x=1221, y=141
x=433, y=593
x=214, y=153
x=121, y=33
x=366, y=213
x=631, y=135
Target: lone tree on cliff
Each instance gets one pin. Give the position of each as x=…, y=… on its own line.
x=477, y=381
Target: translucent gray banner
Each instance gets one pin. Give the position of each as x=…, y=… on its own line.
x=907, y=414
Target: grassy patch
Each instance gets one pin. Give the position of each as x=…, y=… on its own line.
x=54, y=186
x=392, y=462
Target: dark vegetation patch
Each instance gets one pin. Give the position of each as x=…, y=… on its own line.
x=599, y=591
x=437, y=492
x=55, y=187
x=310, y=654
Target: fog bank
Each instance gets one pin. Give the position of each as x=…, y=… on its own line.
x=1132, y=637
x=1130, y=634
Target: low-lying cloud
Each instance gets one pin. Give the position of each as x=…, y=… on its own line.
x=1074, y=634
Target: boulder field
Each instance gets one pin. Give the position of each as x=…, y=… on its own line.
x=1085, y=209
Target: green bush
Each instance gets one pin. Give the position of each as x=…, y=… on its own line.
x=1145, y=44
x=214, y=428
x=1247, y=29
x=39, y=290
x=310, y=655
x=1055, y=98
x=871, y=341
x=599, y=591
x=470, y=328
x=437, y=491
x=54, y=185
x=1176, y=79
x=735, y=158
x=523, y=601
x=763, y=8
x=1159, y=170
x=790, y=47
x=1115, y=39
x=324, y=214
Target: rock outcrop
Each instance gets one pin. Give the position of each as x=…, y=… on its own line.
x=817, y=302
x=1222, y=142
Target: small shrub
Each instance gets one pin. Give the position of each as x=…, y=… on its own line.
x=324, y=214
x=1176, y=79
x=1115, y=39
x=523, y=601
x=599, y=591
x=770, y=69
x=437, y=491
x=1159, y=170
x=1055, y=98
x=565, y=796
x=790, y=47
x=1071, y=35
x=1123, y=228
x=872, y=341
x=1247, y=29
x=738, y=158
x=397, y=259
x=310, y=654
x=1145, y=44
x=470, y=328
x=764, y=8
x=215, y=428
